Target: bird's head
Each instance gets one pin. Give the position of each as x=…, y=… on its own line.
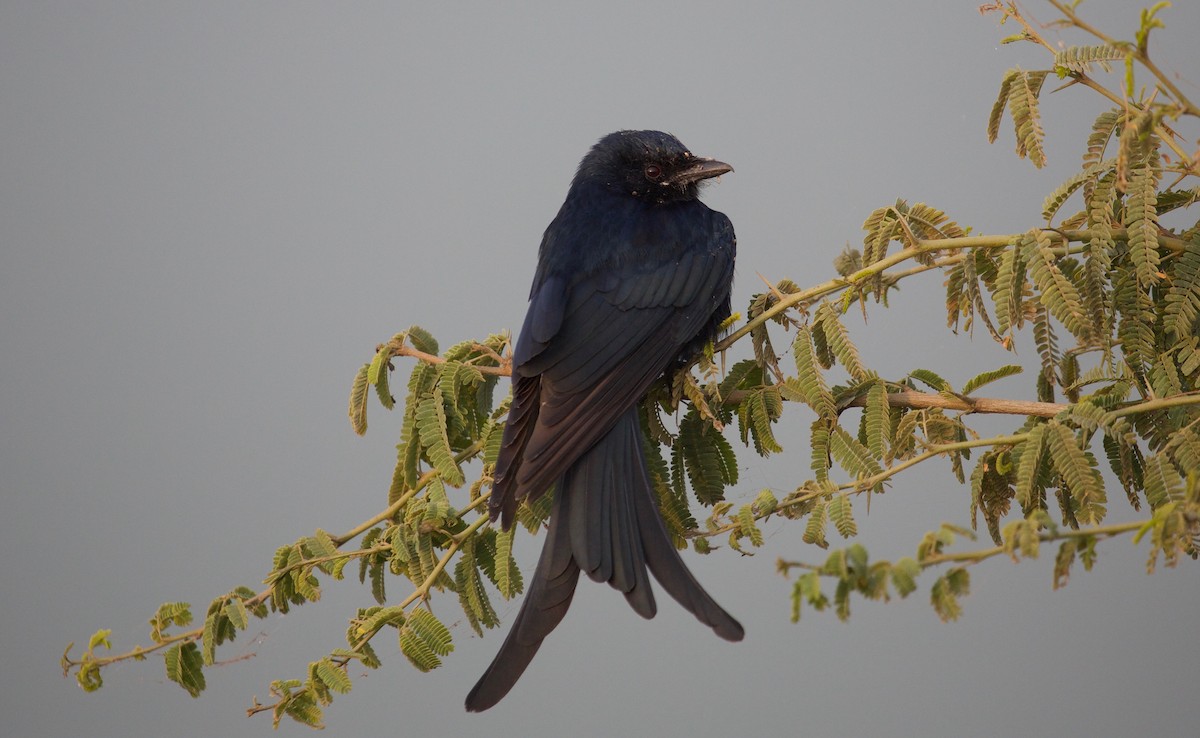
x=650, y=165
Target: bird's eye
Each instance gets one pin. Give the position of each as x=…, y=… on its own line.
x=653, y=172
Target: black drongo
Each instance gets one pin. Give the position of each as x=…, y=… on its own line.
x=633, y=277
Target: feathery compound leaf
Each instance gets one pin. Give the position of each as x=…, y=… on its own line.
x=841, y=512
x=838, y=339
x=1079, y=59
x=472, y=595
x=1169, y=200
x=1059, y=294
x=932, y=380
x=993, y=128
x=1078, y=470
x=991, y=491
x=1141, y=219
x=852, y=455
x=877, y=420
x=331, y=675
x=672, y=503
x=423, y=639
x=746, y=374
x=1137, y=143
x=1135, y=328
x=1090, y=173
x=1103, y=128
x=422, y=340
x=507, y=576
x=819, y=442
x=168, y=614
x=377, y=375
x=927, y=222
x=707, y=457
x=990, y=376
x=1098, y=257
x=1184, y=447
x=747, y=528
x=1183, y=297
x=417, y=651
x=814, y=530
x=756, y=413
x=1163, y=481
x=358, y=401
x=1023, y=107
x=810, y=383
x=1029, y=469
x=1010, y=288
x=946, y=591
x=882, y=227
x=904, y=575
x=185, y=667
x=431, y=428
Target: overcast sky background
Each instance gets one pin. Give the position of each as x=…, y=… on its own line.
x=210, y=214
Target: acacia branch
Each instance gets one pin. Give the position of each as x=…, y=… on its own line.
x=865, y=483
x=975, y=557
x=1046, y=536
x=986, y=405
x=922, y=246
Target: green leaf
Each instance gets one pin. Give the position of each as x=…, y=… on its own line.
x=1090, y=173
x=1078, y=470
x=841, y=512
x=993, y=127
x=1032, y=457
x=1079, y=59
x=947, y=589
x=809, y=385
x=852, y=455
x=1163, y=482
x=472, y=595
x=1023, y=94
x=747, y=527
x=1141, y=220
x=333, y=676
x=931, y=379
x=185, y=667
x=838, y=339
x=814, y=530
x=756, y=413
x=377, y=376
x=707, y=457
x=1183, y=297
x=358, y=401
x=1058, y=293
x=168, y=614
x=990, y=376
x=422, y=340
x=808, y=589
x=508, y=576
x=431, y=427
x=423, y=639
x=877, y=420
x=904, y=575
x=1009, y=291
x=819, y=442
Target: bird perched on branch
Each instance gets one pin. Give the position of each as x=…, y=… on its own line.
x=633, y=278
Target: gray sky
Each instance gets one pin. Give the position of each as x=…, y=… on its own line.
x=210, y=213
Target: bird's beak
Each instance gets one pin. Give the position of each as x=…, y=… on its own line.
x=701, y=169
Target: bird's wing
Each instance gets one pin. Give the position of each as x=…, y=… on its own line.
x=619, y=329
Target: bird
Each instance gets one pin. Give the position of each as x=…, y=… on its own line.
x=633, y=278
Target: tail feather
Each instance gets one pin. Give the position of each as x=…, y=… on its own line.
x=603, y=522
x=550, y=591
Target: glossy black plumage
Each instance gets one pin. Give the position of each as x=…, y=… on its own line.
x=634, y=275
